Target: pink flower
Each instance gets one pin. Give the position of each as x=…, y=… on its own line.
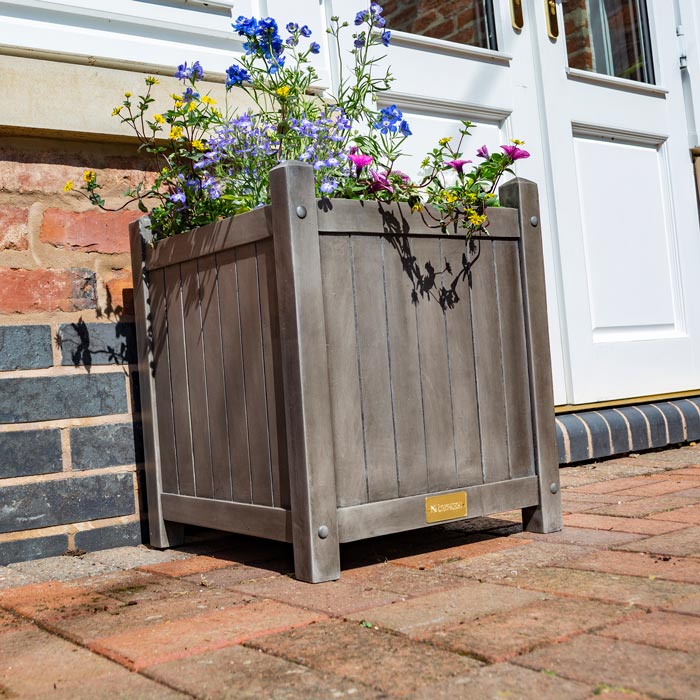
x=379, y=182
x=360, y=160
x=458, y=164
x=515, y=153
x=483, y=152
x=402, y=175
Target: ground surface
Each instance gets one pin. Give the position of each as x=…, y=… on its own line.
x=608, y=608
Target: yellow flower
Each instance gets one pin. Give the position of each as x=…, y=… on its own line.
x=475, y=219
x=158, y=118
x=89, y=176
x=178, y=104
x=424, y=163
x=444, y=141
x=216, y=112
x=490, y=196
x=208, y=100
x=174, y=96
x=151, y=80
x=116, y=111
x=175, y=132
x=191, y=106
x=517, y=142
x=448, y=196
x=417, y=207
x=68, y=186
x=127, y=95
x=198, y=145
x=283, y=91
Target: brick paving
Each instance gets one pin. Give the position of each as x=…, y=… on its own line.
x=609, y=608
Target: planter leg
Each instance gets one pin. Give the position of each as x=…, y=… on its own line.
x=165, y=534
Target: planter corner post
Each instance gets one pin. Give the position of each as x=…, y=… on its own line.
x=522, y=195
x=305, y=373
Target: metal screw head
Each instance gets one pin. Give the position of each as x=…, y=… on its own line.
x=301, y=212
x=534, y=220
x=323, y=532
x=553, y=488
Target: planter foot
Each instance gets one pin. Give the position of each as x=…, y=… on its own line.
x=166, y=534
x=544, y=519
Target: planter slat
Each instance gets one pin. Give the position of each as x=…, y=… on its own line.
x=460, y=343
x=373, y=361
x=214, y=238
x=346, y=216
x=180, y=393
x=234, y=380
x=247, y=519
x=515, y=374
x=400, y=514
x=405, y=374
x=489, y=366
x=322, y=383
x=343, y=370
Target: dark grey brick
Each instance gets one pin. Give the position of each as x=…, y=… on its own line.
x=32, y=548
x=87, y=344
x=128, y=534
x=28, y=452
x=100, y=446
x=48, y=398
x=25, y=347
x=561, y=452
x=578, y=439
x=618, y=428
x=657, y=425
x=600, y=437
x=64, y=501
x=674, y=422
x=691, y=411
x=638, y=427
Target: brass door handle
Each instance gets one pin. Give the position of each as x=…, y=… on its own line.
x=552, y=18
x=516, y=14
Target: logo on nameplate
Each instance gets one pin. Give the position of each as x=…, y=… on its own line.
x=446, y=506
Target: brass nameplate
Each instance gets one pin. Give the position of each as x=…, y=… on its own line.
x=447, y=506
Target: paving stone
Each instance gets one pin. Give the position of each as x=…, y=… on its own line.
x=35, y=664
x=404, y=581
x=189, y=566
x=610, y=588
x=570, y=505
x=388, y=662
x=659, y=629
x=168, y=641
x=240, y=673
x=333, y=597
x=640, y=564
x=63, y=568
x=475, y=548
x=603, y=691
x=12, y=579
x=584, y=537
x=10, y=622
x=419, y=616
x=505, y=682
x=594, y=659
x=687, y=514
x=681, y=543
x=633, y=525
x=688, y=606
x=641, y=507
x=236, y=575
x=690, y=472
x=680, y=456
x=615, y=485
x=131, y=557
x=503, y=566
x=662, y=487
x=501, y=636
x=599, y=498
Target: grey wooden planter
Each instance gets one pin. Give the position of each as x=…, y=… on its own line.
x=316, y=373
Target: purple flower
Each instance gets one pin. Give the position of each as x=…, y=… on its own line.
x=185, y=72
x=386, y=37
x=404, y=128
x=178, y=196
x=292, y=27
x=359, y=160
x=305, y=31
x=379, y=182
x=189, y=95
x=327, y=186
x=236, y=75
x=515, y=153
x=360, y=17
x=197, y=70
x=483, y=152
x=315, y=47
x=245, y=26
x=458, y=164
x=360, y=41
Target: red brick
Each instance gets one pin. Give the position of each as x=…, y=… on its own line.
x=615, y=485
x=505, y=682
x=681, y=543
x=46, y=598
x=584, y=536
x=638, y=564
x=661, y=487
x=119, y=293
x=168, y=641
x=641, y=507
x=28, y=291
x=498, y=637
x=420, y=616
x=609, y=588
x=14, y=228
x=659, y=629
x=402, y=580
x=688, y=606
x=187, y=567
x=240, y=673
x=388, y=662
x=480, y=546
x=233, y=576
x=91, y=231
x=688, y=514
x=597, y=660
x=633, y=525
x=333, y=597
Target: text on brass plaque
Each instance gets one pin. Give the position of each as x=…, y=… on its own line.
x=446, y=506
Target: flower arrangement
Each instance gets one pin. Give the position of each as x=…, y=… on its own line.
x=213, y=165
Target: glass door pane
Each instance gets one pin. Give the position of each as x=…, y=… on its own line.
x=609, y=37
x=464, y=21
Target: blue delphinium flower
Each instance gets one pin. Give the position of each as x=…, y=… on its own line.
x=197, y=70
x=389, y=120
x=315, y=47
x=185, y=72
x=245, y=26
x=292, y=27
x=305, y=31
x=190, y=95
x=404, y=128
x=236, y=75
x=359, y=41
x=386, y=37
x=360, y=17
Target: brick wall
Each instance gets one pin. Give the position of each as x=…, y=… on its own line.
x=70, y=449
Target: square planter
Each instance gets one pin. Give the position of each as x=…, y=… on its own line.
x=323, y=372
